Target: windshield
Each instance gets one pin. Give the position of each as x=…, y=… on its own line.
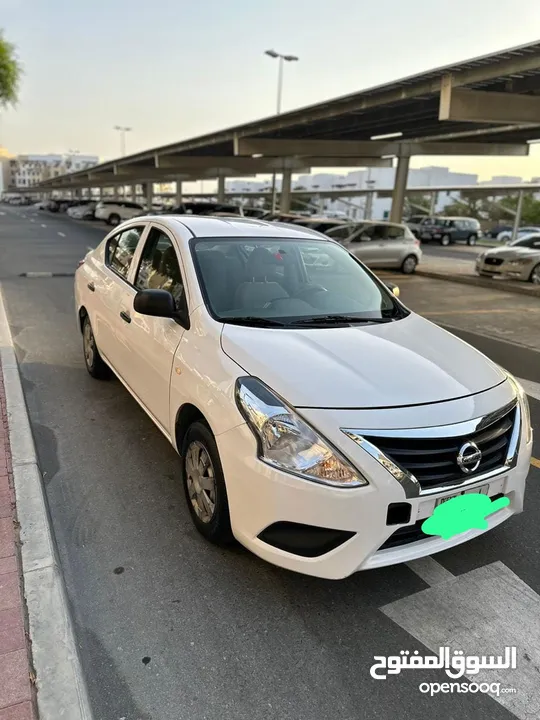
x=279, y=282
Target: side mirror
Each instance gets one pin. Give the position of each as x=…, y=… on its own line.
x=159, y=303
x=394, y=289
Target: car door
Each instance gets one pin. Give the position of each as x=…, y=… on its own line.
x=391, y=246
x=111, y=290
x=149, y=343
x=362, y=244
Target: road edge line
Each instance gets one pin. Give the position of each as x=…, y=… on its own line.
x=61, y=686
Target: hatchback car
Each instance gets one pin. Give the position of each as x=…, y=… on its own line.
x=114, y=211
x=380, y=244
x=450, y=230
x=318, y=420
x=519, y=260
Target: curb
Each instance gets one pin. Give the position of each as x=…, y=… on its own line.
x=60, y=682
x=529, y=291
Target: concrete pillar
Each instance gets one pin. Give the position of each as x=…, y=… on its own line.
x=517, y=219
x=285, y=199
x=179, y=199
x=221, y=188
x=134, y=192
x=400, y=185
x=433, y=203
x=148, y=192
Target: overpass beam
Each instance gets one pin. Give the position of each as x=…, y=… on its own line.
x=477, y=106
x=400, y=186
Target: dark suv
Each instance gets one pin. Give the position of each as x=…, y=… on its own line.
x=446, y=230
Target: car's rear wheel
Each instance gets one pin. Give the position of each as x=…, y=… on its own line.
x=113, y=219
x=471, y=240
x=445, y=240
x=204, y=485
x=535, y=275
x=408, y=266
x=94, y=362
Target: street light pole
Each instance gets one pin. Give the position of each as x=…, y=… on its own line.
x=281, y=59
x=122, y=130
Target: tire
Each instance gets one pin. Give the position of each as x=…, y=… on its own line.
x=445, y=240
x=534, y=277
x=113, y=219
x=408, y=266
x=471, y=240
x=92, y=359
x=208, y=507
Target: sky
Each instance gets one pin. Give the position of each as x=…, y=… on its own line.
x=176, y=69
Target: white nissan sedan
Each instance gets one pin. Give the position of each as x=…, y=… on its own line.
x=318, y=420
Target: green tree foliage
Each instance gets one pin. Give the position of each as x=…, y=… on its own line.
x=10, y=73
x=530, y=214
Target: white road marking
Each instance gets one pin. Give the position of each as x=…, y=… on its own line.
x=42, y=225
x=39, y=274
x=62, y=234
x=431, y=572
x=32, y=221
x=2, y=213
x=531, y=388
x=481, y=613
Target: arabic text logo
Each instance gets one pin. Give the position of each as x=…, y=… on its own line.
x=456, y=665
x=462, y=513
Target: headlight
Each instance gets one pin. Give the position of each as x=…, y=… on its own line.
x=524, y=406
x=287, y=442
x=522, y=261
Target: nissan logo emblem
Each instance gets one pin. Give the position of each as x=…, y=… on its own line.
x=469, y=457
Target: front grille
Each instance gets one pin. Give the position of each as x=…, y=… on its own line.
x=493, y=261
x=433, y=461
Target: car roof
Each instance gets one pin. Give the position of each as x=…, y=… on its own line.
x=221, y=227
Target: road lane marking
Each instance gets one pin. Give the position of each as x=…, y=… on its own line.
x=535, y=463
x=42, y=225
x=62, y=234
x=530, y=387
x=32, y=221
x=480, y=612
x=431, y=572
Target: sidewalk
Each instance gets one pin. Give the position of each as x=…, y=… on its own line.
x=17, y=696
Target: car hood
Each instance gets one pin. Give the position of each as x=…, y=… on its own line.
x=408, y=362
x=511, y=253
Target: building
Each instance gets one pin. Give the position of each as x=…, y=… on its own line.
x=20, y=172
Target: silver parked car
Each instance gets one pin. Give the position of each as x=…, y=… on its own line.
x=380, y=244
x=519, y=260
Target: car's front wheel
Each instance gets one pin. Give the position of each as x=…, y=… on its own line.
x=408, y=266
x=471, y=240
x=535, y=275
x=204, y=484
x=445, y=240
x=113, y=219
x=94, y=362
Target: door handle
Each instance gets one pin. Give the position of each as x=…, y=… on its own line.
x=125, y=316
x=91, y=286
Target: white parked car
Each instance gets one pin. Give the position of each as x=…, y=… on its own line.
x=318, y=420
x=519, y=260
x=116, y=211
x=506, y=235
x=82, y=211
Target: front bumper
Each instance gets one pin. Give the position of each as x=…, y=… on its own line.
x=261, y=497
x=506, y=270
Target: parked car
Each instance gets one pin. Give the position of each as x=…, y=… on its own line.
x=496, y=230
x=84, y=210
x=318, y=420
x=506, y=235
x=415, y=222
x=115, y=211
x=41, y=204
x=254, y=212
x=380, y=244
x=519, y=260
x=320, y=224
x=202, y=208
x=446, y=230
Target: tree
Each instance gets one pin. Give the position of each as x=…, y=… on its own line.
x=10, y=73
x=530, y=213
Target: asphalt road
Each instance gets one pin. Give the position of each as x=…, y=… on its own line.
x=170, y=627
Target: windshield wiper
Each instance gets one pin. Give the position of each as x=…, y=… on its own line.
x=336, y=319
x=253, y=321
